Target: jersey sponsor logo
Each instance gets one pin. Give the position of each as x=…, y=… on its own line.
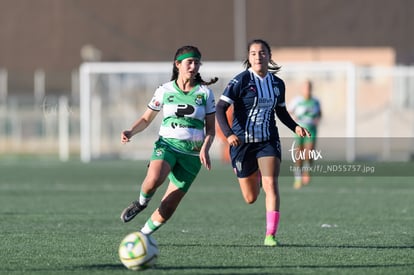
x=175, y=125
x=184, y=109
x=265, y=102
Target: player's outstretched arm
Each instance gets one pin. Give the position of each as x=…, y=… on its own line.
x=285, y=117
x=139, y=125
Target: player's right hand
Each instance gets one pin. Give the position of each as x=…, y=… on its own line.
x=233, y=140
x=125, y=136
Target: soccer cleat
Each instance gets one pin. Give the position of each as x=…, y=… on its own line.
x=297, y=184
x=270, y=240
x=131, y=211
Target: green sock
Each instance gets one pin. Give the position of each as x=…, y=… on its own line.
x=151, y=226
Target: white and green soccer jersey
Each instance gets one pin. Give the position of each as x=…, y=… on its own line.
x=183, y=115
x=305, y=110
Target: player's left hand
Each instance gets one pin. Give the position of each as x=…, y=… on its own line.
x=302, y=132
x=233, y=140
x=205, y=159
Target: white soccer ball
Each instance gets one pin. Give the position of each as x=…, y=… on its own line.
x=138, y=251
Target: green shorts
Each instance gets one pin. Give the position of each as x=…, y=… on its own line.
x=184, y=167
x=306, y=140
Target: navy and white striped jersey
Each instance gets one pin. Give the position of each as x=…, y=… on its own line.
x=255, y=99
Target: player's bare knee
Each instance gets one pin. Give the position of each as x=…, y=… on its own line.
x=250, y=199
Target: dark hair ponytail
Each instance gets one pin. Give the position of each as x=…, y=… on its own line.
x=273, y=66
x=184, y=50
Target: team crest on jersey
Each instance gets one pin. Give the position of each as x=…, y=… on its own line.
x=159, y=152
x=199, y=100
x=276, y=90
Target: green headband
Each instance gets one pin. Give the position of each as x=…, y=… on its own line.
x=187, y=55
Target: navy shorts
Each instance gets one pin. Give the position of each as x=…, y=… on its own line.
x=244, y=157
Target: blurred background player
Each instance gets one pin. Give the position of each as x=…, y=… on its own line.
x=257, y=94
x=306, y=110
x=185, y=137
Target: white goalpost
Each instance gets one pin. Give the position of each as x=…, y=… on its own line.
x=90, y=112
x=113, y=95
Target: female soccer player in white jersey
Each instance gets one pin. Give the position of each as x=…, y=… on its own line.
x=256, y=95
x=185, y=137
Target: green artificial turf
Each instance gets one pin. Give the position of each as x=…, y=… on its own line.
x=63, y=218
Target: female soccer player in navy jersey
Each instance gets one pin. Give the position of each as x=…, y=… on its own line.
x=257, y=94
x=185, y=137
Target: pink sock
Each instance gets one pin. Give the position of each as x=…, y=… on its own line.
x=272, y=222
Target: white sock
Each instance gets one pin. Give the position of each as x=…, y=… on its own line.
x=144, y=198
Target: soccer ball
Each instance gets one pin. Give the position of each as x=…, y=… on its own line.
x=138, y=251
